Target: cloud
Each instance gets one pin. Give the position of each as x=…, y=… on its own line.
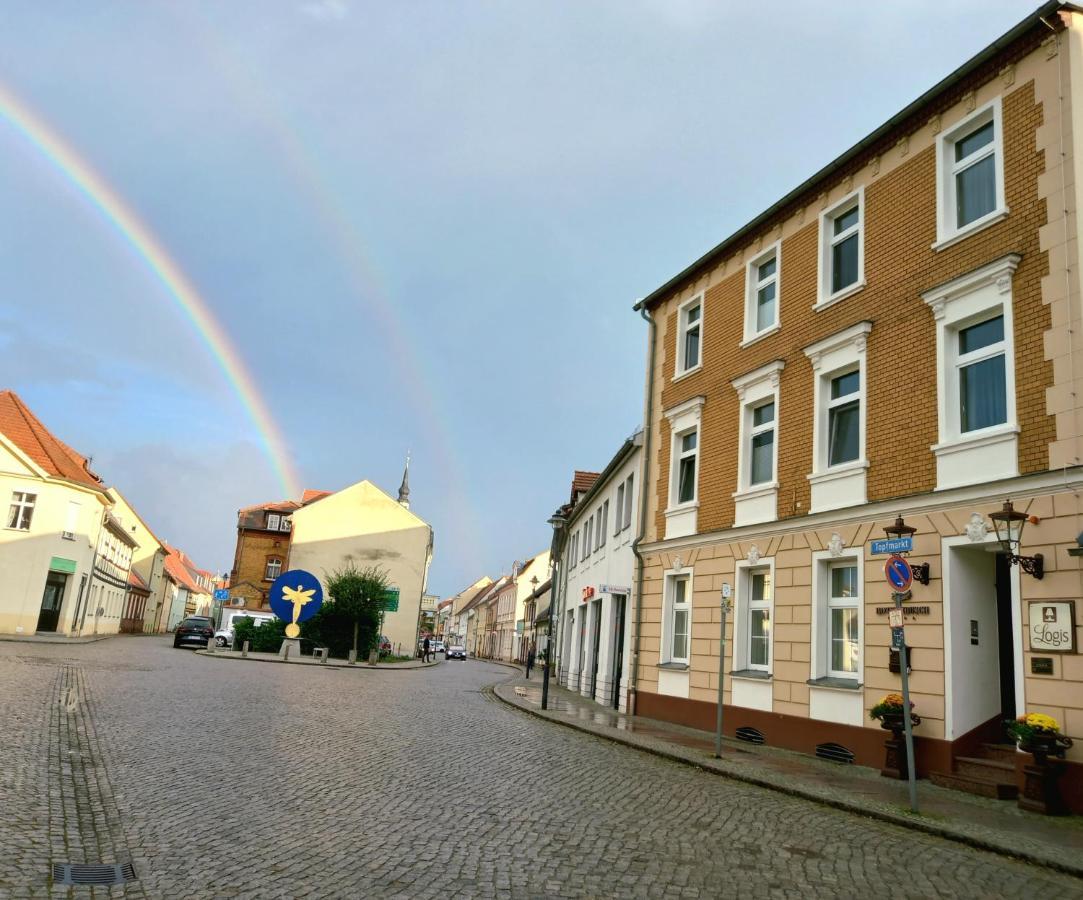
x=325, y=10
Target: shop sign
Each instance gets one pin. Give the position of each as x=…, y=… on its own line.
x=588, y=592
x=1041, y=665
x=613, y=589
x=907, y=610
x=1052, y=626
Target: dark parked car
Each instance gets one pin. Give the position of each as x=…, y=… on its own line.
x=456, y=653
x=194, y=630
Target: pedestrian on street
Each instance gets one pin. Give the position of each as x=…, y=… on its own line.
x=425, y=648
x=530, y=657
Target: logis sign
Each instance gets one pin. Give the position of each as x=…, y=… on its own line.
x=1052, y=626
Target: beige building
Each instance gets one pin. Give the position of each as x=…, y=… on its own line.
x=535, y=568
x=364, y=526
x=55, y=511
x=148, y=561
x=900, y=335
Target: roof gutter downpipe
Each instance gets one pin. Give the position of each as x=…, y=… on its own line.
x=633, y=695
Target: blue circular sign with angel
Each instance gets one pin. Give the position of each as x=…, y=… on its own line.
x=295, y=596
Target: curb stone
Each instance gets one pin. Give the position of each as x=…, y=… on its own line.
x=663, y=749
x=229, y=654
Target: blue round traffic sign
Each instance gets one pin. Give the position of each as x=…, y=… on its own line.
x=295, y=596
x=898, y=573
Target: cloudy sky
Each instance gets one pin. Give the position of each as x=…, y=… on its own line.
x=422, y=224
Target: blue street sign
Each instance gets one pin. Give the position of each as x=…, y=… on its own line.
x=898, y=573
x=221, y=594
x=892, y=545
x=295, y=596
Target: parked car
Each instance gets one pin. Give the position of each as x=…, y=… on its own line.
x=223, y=637
x=194, y=630
x=456, y=653
x=437, y=647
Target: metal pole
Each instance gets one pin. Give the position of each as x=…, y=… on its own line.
x=908, y=725
x=725, y=608
x=553, y=595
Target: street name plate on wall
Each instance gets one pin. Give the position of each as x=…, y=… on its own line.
x=892, y=545
x=1052, y=626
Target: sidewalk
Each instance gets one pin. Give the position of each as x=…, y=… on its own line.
x=57, y=638
x=997, y=826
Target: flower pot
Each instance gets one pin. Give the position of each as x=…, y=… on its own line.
x=895, y=760
x=1041, y=791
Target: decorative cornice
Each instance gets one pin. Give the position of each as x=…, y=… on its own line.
x=771, y=372
x=998, y=272
x=855, y=337
x=693, y=406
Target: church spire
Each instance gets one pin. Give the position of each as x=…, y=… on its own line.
x=404, y=488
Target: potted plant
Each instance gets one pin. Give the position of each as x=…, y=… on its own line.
x=889, y=712
x=1039, y=735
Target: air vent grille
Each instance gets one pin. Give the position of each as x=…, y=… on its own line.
x=81, y=873
x=750, y=735
x=834, y=753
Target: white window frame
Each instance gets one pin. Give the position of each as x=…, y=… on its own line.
x=287, y=523
x=629, y=484
x=26, y=503
x=681, y=518
x=267, y=568
x=683, y=368
x=756, y=503
x=752, y=288
x=573, y=551
x=671, y=608
x=273, y=521
x=834, y=487
x=947, y=231
x=618, y=516
x=588, y=538
x=603, y=525
x=989, y=453
x=679, y=456
x=822, y=562
x=742, y=613
x=825, y=297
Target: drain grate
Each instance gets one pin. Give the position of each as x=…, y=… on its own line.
x=834, y=753
x=750, y=735
x=81, y=873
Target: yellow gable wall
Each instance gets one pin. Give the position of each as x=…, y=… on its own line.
x=364, y=526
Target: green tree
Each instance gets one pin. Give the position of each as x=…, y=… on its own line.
x=359, y=596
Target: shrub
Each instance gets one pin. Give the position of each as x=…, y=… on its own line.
x=264, y=638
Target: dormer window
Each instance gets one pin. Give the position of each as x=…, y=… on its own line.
x=287, y=523
x=273, y=520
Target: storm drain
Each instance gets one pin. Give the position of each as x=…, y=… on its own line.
x=80, y=873
x=750, y=735
x=834, y=753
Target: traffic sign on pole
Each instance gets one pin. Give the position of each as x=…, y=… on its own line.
x=898, y=573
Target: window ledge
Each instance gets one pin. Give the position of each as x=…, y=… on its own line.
x=682, y=508
x=755, y=338
x=760, y=490
x=835, y=684
x=680, y=376
x=840, y=471
x=841, y=295
x=675, y=666
x=997, y=215
x=751, y=674
x=983, y=438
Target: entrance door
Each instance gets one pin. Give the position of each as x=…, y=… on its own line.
x=619, y=601
x=1005, y=648
x=51, y=601
x=596, y=624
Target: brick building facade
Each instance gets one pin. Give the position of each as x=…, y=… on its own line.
x=262, y=552
x=891, y=338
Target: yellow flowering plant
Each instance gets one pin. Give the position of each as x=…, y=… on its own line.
x=889, y=705
x=1037, y=731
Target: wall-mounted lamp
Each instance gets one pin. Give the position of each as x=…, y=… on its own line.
x=901, y=530
x=1008, y=525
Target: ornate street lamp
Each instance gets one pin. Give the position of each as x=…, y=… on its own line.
x=1008, y=525
x=558, y=523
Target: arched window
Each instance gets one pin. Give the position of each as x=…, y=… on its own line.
x=274, y=568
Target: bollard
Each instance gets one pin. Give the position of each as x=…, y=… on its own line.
x=210, y=645
x=352, y=658
x=244, y=650
x=286, y=653
x=373, y=655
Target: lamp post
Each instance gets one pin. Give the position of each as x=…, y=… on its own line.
x=533, y=616
x=1008, y=525
x=558, y=521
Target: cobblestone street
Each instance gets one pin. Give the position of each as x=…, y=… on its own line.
x=227, y=779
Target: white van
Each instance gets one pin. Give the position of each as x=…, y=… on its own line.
x=223, y=637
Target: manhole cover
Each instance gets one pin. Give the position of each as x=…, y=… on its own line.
x=81, y=873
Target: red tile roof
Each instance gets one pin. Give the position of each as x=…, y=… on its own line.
x=582, y=482
x=309, y=495
x=273, y=506
x=136, y=580
x=27, y=432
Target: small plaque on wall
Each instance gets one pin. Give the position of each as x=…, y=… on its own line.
x=1052, y=626
x=1041, y=665
x=893, y=660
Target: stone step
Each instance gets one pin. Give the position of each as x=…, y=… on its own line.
x=974, y=786
x=999, y=752
x=991, y=770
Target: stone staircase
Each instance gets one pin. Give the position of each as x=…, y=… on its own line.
x=991, y=774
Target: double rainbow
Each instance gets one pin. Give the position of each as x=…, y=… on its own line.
x=126, y=223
